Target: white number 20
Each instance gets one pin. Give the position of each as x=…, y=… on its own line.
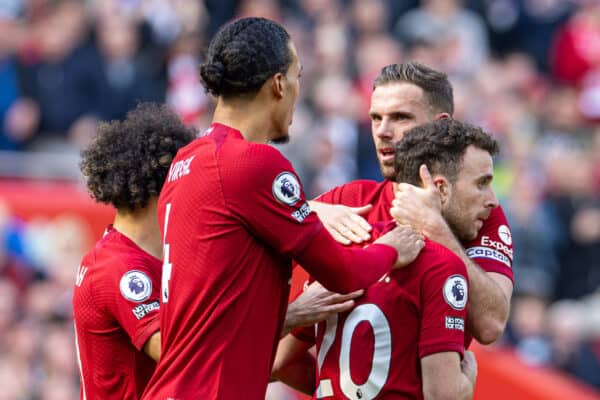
x=167, y=266
x=381, y=355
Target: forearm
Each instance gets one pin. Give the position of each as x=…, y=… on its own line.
x=342, y=269
x=488, y=305
x=294, y=364
x=465, y=388
x=299, y=375
x=291, y=321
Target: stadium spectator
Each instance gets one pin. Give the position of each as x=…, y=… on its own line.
x=233, y=215
x=116, y=293
x=459, y=33
x=58, y=75
x=126, y=79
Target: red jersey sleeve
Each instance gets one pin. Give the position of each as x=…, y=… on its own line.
x=444, y=295
x=270, y=200
x=305, y=334
x=135, y=291
x=271, y=204
x=493, y=250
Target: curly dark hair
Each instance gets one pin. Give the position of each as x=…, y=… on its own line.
x=243, y=55
x=127, y=161
x=437, y=89
x=441, y=146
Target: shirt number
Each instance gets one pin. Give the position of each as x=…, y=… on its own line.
x=167, y=266
x=381, y=355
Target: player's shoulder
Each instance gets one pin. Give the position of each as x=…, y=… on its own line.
x=361, y=184
x=253, y=157
x=263, y=152
x=114, y=256
x=435, y=256
x=351, y=192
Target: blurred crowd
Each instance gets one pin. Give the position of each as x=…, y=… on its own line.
x=526, y=70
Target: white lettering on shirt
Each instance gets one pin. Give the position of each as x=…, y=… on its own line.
x=487, y=242
x=179, y=169
x=81, y=270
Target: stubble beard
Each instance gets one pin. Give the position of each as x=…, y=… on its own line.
x=388, y=171
x=454, y=218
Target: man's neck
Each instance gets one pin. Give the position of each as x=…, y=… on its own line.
x=141, y=227
x=250, y=117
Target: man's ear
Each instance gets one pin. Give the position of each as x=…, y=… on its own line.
x=277, y=85
x=443, y=187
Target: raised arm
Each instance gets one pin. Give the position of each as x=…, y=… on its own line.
x=343, y=270
x=490, y=292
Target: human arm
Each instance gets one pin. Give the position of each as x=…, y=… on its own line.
x=345, y=224
x=491, y=291
x=152, y=346
x=294, y=365
x=342, y=269
x=315, y=304
x=445, y=377
x=270, y=204
x=445, y=292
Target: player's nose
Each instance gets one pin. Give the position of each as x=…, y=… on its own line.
x=384, y=130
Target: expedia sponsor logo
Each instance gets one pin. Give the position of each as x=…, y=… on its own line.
x=487, y=242
x=301, y=213
x=504, y=234
x=455, y=323
x=144, y=309
x=486, y=252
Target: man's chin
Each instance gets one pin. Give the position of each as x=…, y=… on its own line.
x=388, y=172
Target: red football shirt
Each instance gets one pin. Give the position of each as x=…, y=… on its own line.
x=373, y=351
x=492, y=250
x=233, y=215
x=115, y=308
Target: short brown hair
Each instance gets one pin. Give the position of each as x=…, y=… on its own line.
x=441, y=146
x=437, y=89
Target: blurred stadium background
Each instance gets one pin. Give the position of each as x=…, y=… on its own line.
x=526, y=70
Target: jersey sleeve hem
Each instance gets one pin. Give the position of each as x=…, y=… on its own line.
x=305, y=334
x=146, y=332
x=440, y=348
